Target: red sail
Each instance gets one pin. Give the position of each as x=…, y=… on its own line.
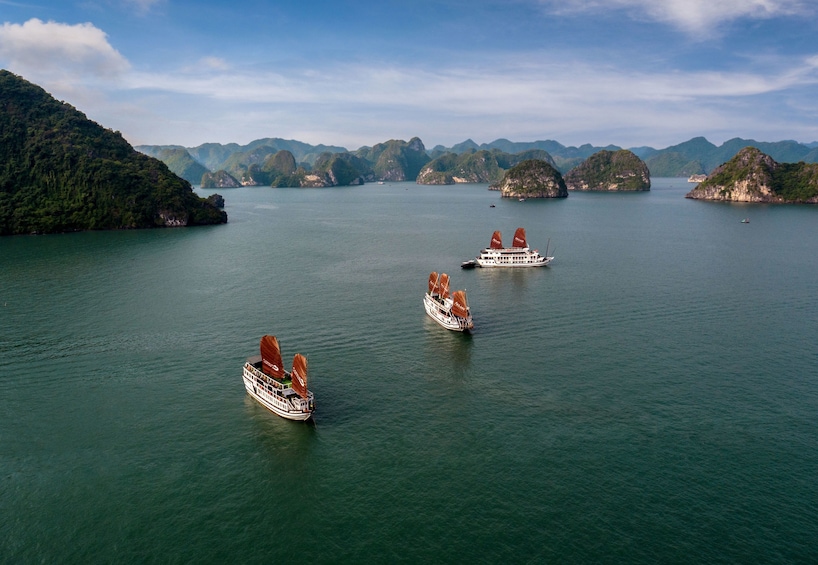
x=433, y=283
x=443, y=286
x=519, y=238
x=496, y=240
x=299, y=375
x=459, y=305
x=271, y=362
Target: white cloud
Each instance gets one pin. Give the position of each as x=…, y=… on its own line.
x=689, y=15
x=521, y=96
x=51, y=51
x=507, y=98
x=526, y=86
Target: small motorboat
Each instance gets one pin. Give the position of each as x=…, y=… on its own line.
x=745, y=221
x=492, y=206
x=470, y=264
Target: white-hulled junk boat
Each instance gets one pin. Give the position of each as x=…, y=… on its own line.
x=283, y=393
x=518, y=255
x=450, y=310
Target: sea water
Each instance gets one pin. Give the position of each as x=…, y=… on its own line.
x=651, y=397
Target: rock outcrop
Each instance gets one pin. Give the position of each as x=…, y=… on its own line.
x=216, y=200
x=533, y=178
x=610, y=171
x=219, y=179
x=752, y=176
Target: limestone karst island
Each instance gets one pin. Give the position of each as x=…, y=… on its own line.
x=532, y=179
x=752, y=176
x=610, y=171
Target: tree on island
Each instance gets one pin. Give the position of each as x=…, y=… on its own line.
x=63, y=172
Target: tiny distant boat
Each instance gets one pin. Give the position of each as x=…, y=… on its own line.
x=282, y=393
x=450, y=310
x=745, y=221
x=492, y=206
x=518, y=255
x=521, y=199
x=380, y=182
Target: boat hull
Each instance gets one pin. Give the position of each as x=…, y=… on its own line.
x=500, y=263
x=440, y=313
x=494, y=265
x=512, y=258
x=272, y=397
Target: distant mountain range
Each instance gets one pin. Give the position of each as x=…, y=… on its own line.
x=695, y=156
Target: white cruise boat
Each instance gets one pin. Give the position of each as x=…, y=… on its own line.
x=283, y=393
x=518, y=255
x=450, y=310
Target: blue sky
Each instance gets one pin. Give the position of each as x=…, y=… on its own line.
x=354, y=73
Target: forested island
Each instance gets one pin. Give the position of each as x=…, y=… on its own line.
x=752, y=176
x=63, y=172
x=610, y=171
x=533, y=178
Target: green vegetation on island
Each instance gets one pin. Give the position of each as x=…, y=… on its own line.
x=475, y=166
x=182, y=164
x=63, y=172
x=396, y=160
x=673, y=164
x=753, y=176
x=343, y=169
x=533, y=178
x=219, y=179
x=610, y=171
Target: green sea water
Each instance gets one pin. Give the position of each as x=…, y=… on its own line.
x=652, y=397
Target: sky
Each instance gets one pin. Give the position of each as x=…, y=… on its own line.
x=349, y=73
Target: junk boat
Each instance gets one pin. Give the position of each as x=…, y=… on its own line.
x=283, y=393
x=518, y=255
x=450, y=310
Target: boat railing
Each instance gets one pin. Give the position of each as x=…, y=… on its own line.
x=263, y=376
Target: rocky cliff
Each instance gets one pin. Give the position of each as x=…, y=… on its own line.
x=533, y=178
x=752, y=176
x=396, y=160
x=610, y=171
x=219, y=179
